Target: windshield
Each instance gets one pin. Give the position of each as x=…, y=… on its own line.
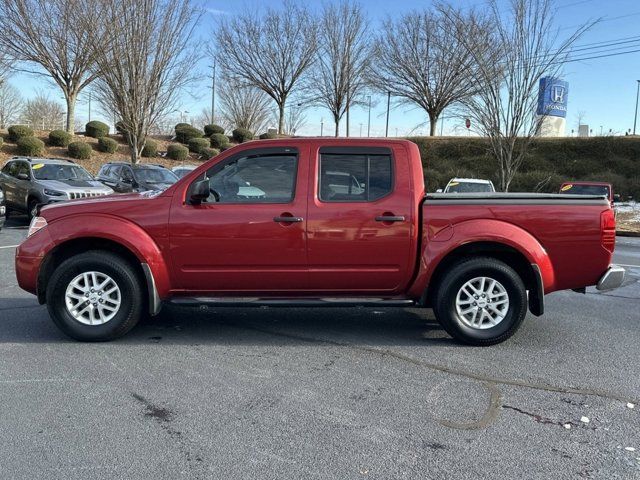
x=586, y=190
x=468, y=187
x=57, y=171
x=155, y=175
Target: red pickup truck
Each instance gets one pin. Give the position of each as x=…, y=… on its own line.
x=315, y=222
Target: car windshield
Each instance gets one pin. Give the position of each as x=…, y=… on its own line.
x=468, y=187
x=181, y=172
x=586, y=190
x=155, y=175
x=59, y=171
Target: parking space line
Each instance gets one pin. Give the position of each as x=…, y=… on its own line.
x=8, y=246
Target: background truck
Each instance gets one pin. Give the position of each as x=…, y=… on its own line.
x=341, y=222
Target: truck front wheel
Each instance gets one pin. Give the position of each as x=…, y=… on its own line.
x=95, y=296
x=480, y=301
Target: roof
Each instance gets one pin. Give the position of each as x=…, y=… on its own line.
x=139, y=165
x=469, y=180
x=50, y=161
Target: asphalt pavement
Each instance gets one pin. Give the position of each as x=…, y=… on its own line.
x=326, y=393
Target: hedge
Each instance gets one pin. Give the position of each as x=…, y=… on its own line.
x=184, y=134
x=16, y=132
x=30, y=146
x=80, y=150
x=150, y=149
x=177, y=152
x=268, y=136
x=212, y=128
x=548, y=162
x=242, y=135
x=218, y=140
x=196, y=145
x=209, y=152
x=108, y=145
x=1, y=141
x=96, y=129
x=59, y=138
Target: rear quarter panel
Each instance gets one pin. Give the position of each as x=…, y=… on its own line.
x=569, y=236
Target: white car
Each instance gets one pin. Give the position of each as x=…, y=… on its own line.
x=468, y=185
x=182, y=170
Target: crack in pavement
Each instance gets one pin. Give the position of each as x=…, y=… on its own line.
x=544, y=420
x=487, y=379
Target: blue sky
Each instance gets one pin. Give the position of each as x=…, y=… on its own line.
x=604, y=88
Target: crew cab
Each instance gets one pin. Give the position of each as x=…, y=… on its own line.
x=339, y=222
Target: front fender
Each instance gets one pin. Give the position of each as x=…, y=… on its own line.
x=118, y=230
x=436, y=247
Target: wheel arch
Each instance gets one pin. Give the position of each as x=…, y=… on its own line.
x=127, y=240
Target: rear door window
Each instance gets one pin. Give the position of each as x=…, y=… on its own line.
x=354, y=177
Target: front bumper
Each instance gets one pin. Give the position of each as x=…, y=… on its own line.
x=613, y=278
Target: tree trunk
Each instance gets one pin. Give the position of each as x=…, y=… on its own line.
x=71, y=111
x=281, y=117
x=336, y=120
x=433, y=124
x=133, y=148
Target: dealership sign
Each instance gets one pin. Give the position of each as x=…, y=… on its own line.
x=552, y=97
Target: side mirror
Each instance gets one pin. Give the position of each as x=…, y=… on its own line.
x=439, y=190
x=23, y=176
x=199, y=191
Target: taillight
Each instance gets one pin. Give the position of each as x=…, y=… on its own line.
x=37, y=223
x=608, y=229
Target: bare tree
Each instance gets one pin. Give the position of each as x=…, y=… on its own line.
x=42, y=113
x=145, y=60
x=271, y=52
x=10, y=103
x=530, y=48
x=48, y=34
x=244, y=107
x=423, y=61
x=580, y=117
x=342, y=59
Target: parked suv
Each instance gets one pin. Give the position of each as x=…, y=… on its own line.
x=29, y=182
x=125, y=178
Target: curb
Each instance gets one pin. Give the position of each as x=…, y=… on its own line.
x=627, y=234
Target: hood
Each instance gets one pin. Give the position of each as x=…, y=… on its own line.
x=159, y=187
x=73, y=185
x=110, y=203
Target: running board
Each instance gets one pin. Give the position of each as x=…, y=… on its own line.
x=290, y=302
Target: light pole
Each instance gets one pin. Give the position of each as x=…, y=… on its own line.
x=360, y=129
x=89, y=105
x=635, y=117
x=600, y=130
x=369, y=120
x=213, y=93
x=321, y=126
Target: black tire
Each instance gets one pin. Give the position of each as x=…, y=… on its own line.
x=31, y=208
x=132, y=298
x=444, y=301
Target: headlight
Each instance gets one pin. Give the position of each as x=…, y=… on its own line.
x=37, y=223
x=53, y=193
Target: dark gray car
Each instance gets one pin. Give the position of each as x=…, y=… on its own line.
x=29, y=182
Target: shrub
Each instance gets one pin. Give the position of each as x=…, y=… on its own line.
x=1, y=141
x=150, y=149
x=219, y=140
x=197, y=144
x=180, y=126
x=120, y=127
x=59, y=138
x=242, y=135
x=108, y=145
x=212, y=128
x=209, y=152
x=268, y=136
x=184, y=134
x=96, y=129
x=80, y=150
x=177, y=152
x=16, y=132
x=30, y=146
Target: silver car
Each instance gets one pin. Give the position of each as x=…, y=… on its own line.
x=30, y=182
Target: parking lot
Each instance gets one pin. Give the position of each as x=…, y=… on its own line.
x=325, y=393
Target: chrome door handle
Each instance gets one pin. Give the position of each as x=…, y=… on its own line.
x=390, y=218
x=287, y=219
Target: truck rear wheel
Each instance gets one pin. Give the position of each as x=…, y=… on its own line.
x=481, y=301
x=95, y=296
